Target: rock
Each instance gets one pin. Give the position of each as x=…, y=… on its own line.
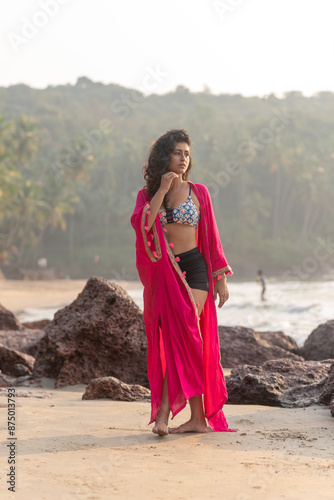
x=331, y=407
x=280, y=382
x=9, y=358
x=101, y=333
x=327, y=393
x=21, y=370
x=7, y=380
x=280, y=339
x=8, y=320
x=320, y=344
x=25, y=340
x=115, y=389
x=241, y=345
x=37, y=325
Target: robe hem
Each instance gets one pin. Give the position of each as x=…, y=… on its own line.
x=220, y=408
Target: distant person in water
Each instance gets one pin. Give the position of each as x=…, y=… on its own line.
x=260, y=278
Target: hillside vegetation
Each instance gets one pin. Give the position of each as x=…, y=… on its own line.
x=71, y=162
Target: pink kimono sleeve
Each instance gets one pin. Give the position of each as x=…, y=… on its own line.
x=147, y=241
x=218, y=260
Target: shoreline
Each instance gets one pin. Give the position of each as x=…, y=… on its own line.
x=17, y=295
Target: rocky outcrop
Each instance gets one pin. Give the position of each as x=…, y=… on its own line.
x=25, y=340
x=281, y=382
x=240, y=345
x=8, y=320
x=16, y=363
x=327, y=394
x=320, y=344
x=331, y=407
x=25, y=380
x=6, y=380
x=99, y=334
x=37, y=325
x=112, y=388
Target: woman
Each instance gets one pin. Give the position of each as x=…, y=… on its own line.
x=182, y=267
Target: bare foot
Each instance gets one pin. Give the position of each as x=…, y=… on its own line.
x=191, y=426
x=160, y=426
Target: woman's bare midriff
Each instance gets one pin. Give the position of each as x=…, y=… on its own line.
x=183, y=237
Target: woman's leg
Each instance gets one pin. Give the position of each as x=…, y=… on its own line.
x=197, y=422
x=163, y=413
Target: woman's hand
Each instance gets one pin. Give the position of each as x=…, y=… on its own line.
x=222, y=290
x=156, y=201
x=166, y=181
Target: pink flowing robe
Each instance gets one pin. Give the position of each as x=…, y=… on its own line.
x=178, y=338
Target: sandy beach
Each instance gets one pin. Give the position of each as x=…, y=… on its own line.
x=17, y=295
x=69, y=448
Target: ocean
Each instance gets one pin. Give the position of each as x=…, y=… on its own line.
x=294, y=307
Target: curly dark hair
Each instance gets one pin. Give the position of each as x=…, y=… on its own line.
x=159, y=159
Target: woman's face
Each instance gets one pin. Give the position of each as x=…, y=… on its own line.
x=179, y=159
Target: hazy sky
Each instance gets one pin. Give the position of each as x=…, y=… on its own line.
x=252, y=47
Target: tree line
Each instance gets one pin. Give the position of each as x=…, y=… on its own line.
x=71, y=162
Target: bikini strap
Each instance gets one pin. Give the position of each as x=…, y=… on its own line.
x=189, y=190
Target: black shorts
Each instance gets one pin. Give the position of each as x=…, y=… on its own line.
x=194, y=264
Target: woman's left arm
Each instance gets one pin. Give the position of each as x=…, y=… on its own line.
x=219, y=264
x=221, y=289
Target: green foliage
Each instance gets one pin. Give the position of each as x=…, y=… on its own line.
x=71, y=162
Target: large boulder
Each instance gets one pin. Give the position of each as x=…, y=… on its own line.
x=240, y=345
x=111, y=387
x=13, y=362
x=25, y=340
x=101, y=333
x=327, y=393
x=320, y=344
x=8, y=320
x=280, y=382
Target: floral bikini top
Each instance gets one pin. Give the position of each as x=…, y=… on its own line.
x=186, y=213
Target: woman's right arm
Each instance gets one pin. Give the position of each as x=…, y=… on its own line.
x=155, y=204
x=156, y=200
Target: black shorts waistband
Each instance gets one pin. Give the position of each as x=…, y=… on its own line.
x=190, y=253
